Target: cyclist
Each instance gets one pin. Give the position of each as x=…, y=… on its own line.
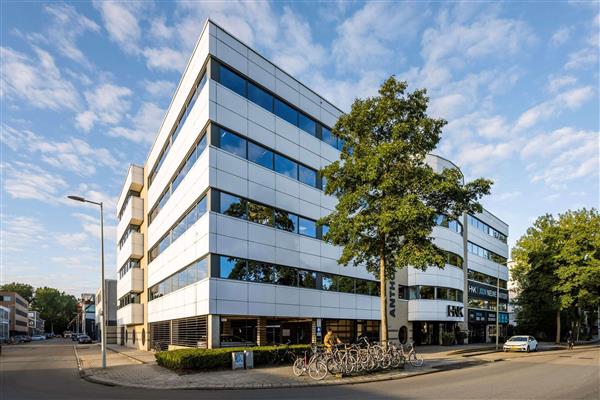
x=331, y=339
x=570, y=340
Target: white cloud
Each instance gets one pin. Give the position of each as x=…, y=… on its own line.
x=561, y=36
x=74, y=154
x=563, y=155
x=372, y=35
x=71, y=240
x=38, y=82
x=121, y=22
x=558, y=82
x=159, y=88
x=66, y=27
x=582, y=59
x=571, y=99
x=493, y=127
x=144, y=124
x=29, y=181
x=19, y=232
x=165, y=58
x=91, y=226
x=107, y=104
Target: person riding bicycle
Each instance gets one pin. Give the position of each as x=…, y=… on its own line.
x=331, y=339
x=569, y=339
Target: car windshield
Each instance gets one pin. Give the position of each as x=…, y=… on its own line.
x=518, y=339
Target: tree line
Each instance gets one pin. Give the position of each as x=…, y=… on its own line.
x=55, y=307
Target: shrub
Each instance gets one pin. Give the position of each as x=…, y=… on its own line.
x=203, y=359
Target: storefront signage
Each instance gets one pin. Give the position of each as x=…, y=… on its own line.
x=455, y=311
x=487, y=292
x=392, y=296
x=487, y=317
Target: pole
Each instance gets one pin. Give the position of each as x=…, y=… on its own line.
x=497, y=306
x=103, y=287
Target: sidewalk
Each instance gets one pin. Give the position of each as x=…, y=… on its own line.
x=126, y=369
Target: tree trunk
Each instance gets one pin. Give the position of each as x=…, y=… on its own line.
x=383, y=298
x=557, y=326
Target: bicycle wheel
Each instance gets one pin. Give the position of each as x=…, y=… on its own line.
x=416, y=360
x=317, y=370
x=298, y=368
x=333, y=366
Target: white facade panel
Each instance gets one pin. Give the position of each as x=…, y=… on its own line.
x=432, y=310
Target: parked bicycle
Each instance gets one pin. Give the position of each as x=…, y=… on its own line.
x=314, y=365
x=283, y=355
x=416, y=360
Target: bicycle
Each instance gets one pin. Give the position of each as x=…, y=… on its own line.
x=287, y=357
x=316, y=368
x=571, y=344
x=416, y=360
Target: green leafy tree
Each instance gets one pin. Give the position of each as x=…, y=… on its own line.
x=557, y=269
x=25, y=290
x=56, y=307
x=388, y=196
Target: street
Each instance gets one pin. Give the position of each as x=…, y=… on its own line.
x=48, y=370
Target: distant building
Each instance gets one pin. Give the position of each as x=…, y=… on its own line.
x=36, y=323
x=4, y=323
x=18, y=306
x=111, y=314
x=513, y=294
x=88, y=314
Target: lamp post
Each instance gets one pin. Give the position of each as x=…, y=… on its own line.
x=102, y=285
x=497, y=306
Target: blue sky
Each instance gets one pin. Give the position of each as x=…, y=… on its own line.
x=84, y=87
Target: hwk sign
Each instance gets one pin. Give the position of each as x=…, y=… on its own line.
x=455, y=311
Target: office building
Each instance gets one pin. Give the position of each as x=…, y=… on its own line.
x=18, y=306
x=217, y=235
x=36, y=323
x=4, y=324
x=111, y=314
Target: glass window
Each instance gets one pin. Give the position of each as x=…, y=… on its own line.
x=327, y=283
x=260, y=214
x=362, y=286
x=260, y=97
x=232, y=268
x=260, y=272
x=282, y=110
x=324, y=229
x=443, y=293
x=260, y=155
x=287, y=276
x=285, y=166
x=233, y=81
x=307, y=279
x=374, y=288
x=232, y=205
x=233, y=143
x=307, y=227
x=328, y=137
x=201, y=146
x=340, y=144
x=201, y=207
x=286, y=221
x=426, y=292
x=345, y=284
x=307, y=175
x=307, y=124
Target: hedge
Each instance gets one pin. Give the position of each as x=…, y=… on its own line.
x=204, y=359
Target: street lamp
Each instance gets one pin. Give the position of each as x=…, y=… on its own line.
x=102, y=285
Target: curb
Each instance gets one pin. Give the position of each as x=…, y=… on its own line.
x=338, y=382
x=128, y=356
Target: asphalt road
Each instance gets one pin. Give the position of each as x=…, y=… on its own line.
x=48, y=370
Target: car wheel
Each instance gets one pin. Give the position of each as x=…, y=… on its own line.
x=528, y=349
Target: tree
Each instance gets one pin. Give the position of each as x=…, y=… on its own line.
x=388, y=197
x=25, y=290
x=56, y=307
x=557, y=269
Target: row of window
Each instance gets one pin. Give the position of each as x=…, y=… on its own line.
x=187, y=108
x=129, y=298
x=260, y=155
x=482, y=226
x=21, y=313
x=283, y=110
x=124, y=205
x=261, y=272
x=429, y=293
x=129, y=264
x=195, y=154
x=485, y=253
x=127, y=233
x=484, y=278
x=486, y=304
x=446, y=222
x=183, y=224
x=193, y=273
x=454, y=259
x=265, y=215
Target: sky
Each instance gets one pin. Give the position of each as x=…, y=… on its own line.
x=84, y=87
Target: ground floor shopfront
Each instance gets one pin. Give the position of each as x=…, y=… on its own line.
x=482, y=326
x=436, y=332
x=230, y=330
